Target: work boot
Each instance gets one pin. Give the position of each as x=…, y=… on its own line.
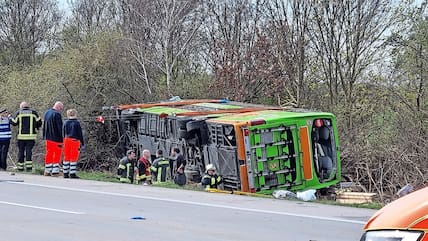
x=29, y=169
x=47, y=174
x=66, y=175
x=74, y=176
x=55, y=174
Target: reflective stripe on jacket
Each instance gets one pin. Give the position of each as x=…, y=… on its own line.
x=5, y=131
x=28, y=122
x=160, y=170
x=125, y=171
x=209, y=181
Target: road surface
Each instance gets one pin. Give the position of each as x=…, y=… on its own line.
x=48, y=208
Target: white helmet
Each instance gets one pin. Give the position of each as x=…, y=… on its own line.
x=210, y=167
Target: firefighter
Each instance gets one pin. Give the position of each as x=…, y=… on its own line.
x=160, y=169
x=144, y=168
x=52, y=134
x=125, y=172
x=28, y=122
x=211, y=179
x=73, y=141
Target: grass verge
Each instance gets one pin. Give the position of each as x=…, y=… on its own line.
x=110, y=177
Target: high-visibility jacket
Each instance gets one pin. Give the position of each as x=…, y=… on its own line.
x=28, y=122
x=211, y=181
x=160, y=170
x=143, y=169
x=5, y=131
x=125, y=171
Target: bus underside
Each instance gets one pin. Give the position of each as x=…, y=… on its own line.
x=250, y=157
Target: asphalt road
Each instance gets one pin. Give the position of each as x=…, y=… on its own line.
x=48, y=208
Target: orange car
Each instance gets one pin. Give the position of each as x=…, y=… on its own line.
x=405, y=219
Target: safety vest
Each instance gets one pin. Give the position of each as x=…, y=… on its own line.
x=5, y=131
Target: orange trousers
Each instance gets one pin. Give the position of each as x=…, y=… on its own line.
x=53, y=152
x=71, y=149
x=52, y=157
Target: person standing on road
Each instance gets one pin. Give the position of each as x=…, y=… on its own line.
x=28, y=122
x=160, y=168
x=52, y=134
x=5, y=135
x=73, y=141
x=126, y=169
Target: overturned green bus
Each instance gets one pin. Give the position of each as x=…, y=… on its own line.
x=255, y=148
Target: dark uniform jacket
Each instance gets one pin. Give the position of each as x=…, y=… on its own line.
x=28, y=122
x=160, y=170
x=211, y=181
x=52, y=126
x=125, y=171
x=72, y=129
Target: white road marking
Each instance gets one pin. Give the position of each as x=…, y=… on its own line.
x=194, y=203
x=41, y=208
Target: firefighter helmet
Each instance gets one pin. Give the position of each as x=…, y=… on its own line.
x=210, y=167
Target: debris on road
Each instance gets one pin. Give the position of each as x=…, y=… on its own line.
x=308, y=195
x=355, y=197
x=281, y=194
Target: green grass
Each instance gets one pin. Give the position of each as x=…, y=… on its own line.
x=373, y=205
x=96, y=176
x=110, y=177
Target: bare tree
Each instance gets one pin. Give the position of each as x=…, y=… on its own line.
x=26, y=28
x=159, y=33
x=238, y=50
x=92, y=16
x=347, y=36
x=287, y=25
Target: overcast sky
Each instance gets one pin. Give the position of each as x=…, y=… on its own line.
x=63, y=5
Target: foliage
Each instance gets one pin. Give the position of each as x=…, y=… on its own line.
x=363, y=60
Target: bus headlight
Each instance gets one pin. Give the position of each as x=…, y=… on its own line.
x=391, y=235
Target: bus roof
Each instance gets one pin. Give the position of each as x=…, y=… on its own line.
x=162, y=109
x=267, y=115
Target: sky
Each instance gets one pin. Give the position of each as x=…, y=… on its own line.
x=64, y=6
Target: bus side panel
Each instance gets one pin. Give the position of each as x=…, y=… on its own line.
x=306, y=153
x=245, y=187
